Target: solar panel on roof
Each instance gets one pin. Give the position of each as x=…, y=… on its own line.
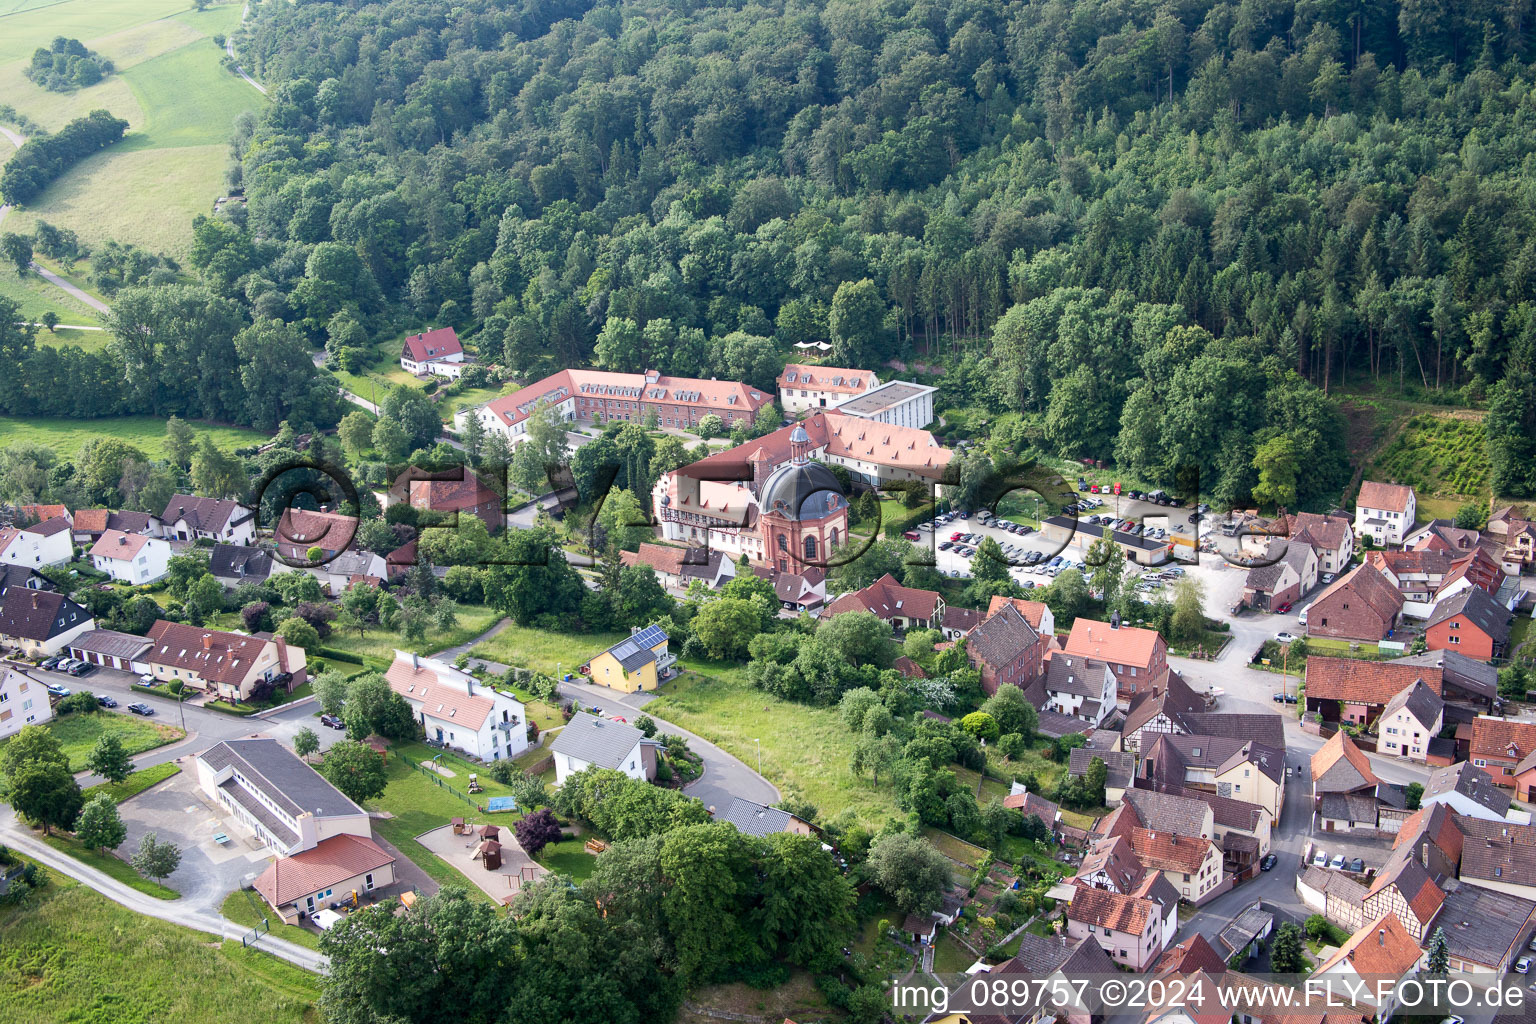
x=650, y=636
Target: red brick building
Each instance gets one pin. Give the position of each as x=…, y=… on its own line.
x=1364, y=606
x=1499, y=746
x=1469, y=622
x=1137, y=657
x=1005, y=649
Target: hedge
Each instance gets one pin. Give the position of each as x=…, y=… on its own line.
x=908, y=518
x=338, y=655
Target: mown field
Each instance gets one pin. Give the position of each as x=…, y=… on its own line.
x=147, y=433
x=74, y=956
x=36, y=297
x=169, y=85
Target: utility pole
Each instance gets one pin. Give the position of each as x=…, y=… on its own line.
x=759, y=755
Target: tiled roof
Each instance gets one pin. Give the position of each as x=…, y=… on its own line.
x=1034, y=611
x=444, y=491
x=1471, y=782
x=119, y=546
x=1341, y=767
x=1081, y=676
x=1382, y=948
x=1386, y=497
x=661, y=557
x=210, y=515
x=707, y=395
x=331, y=862
x=1321, y=530
x=887, y=598
x=92, y=520
x=1173, y=698
x=1227, y=812
x=1337, y=884
x=48, y=527
x=1478, y=608
x=38, y=614
x=40, y=513
x=1365, y=682
x=839, y=436
x=1502, y=738
x=1033, y=803
x=1266, y=759
x=111, y=643
x=962, y=620
x=1125, y=645
x=1165, y=812
x=448, y=699
x=438, y=343
x=1418, y=700
x=235, y=561
x=1268, y=730
x=301, y=529
x=1116, y=857
x=1121, y=764
x=1436, y=823
x=1412, y=563
x=1002, y=638
x=99, y=520
x=1366, y=584
x=755, y=819
x=1165, y=851
x=597, y=741
x=835, y=379
x=1101, y=908
x=1453, y=669
x=213, y=654
x=1263, y=579
x=1497, y=851
x=1413, y=882
x=1191, y=955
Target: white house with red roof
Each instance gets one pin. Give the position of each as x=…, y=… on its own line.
x=50, y=542
x=456, y=711
x=1385, y=512
x=437, y=352
x=131, y=557
x=607, y=396
x=803, y=387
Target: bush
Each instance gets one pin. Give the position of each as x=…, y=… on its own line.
x=502, y=771
x=84, y=702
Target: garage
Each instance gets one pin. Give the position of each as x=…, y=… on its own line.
x=111, y=649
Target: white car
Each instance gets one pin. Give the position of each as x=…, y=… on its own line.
x=1338, y=862
x=1523, y=965
x=147, y=679
x=1285, y=638
x=1320, y=859
x=1301, y=619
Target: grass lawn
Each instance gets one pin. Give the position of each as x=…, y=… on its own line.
x=108, y=864
x=179, y=102
x=474, y=619
x=568, y=857
x=381, y=374
x=36, y=297
x=75, y=956
x=990, y=789
x=146, y=433
x=246, y=908
x=78, y=734
x=135, y=783
x=543, y=651
x=955, y=848
x=949, y=957
x=805, y=751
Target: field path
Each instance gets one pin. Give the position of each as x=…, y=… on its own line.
x=17, y=141
x=55, y=279
x=229, y=47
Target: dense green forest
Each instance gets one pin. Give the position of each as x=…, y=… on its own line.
x=1164, y=232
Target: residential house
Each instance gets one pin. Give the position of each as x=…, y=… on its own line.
x=454, y=710
x=1470, y=791
x=1170, y=812
x=1470, y=623
x=1344, y=787
x=803, y=388
x=1337, y=895
x=90, y=523
x=1385, y=512
x=1499, y=745
x=337, y=572
x=588, y=741
x=638, y=662
x=958, y=622
x=1290, y=570
x=1119, y=764
x=1362, y=605
x=23, y=578
x=41, y=622
x=1111, y=863
x=1036, y=613
x=227, y=665
x=449, y=493
x=1380, y=951
x=1525, y=778
x=1485, y=930
x=1080, y=688
x=1468, y=687
x=903, y=607
x=305, y=535
x=233, y=565
x=1226, y=766
x=1134, y=928
x=1192, y=865
x=187, y=517
x=1191, y=955
x=1443, y=535
x=1498, y=855
x=23, y=701
x=1330, y=537
x=1408, y=890
x=337, y=869
x=1510, y=527
x=22, y=514
x=1411, y=719
x=755, y=819
x=1033, y=805
x=1043, y=964
x=1417, y=575
x=122, y=651
x=1160, y=709
x=1358, y=691
x=1006, y=651
x=1435, y=834
x=677, y=567
x=288, y=804
x=49, y=542
x=131, y=557
x=437, y=352
x=803, y=591
x=1138, y=657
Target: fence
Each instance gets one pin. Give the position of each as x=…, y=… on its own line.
x=265, y=925
x=429, y=773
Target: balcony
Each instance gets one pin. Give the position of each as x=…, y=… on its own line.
x=510, y=723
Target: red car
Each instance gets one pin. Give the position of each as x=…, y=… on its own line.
x=956, y=536
x=1284, y=607
x=1094, y=489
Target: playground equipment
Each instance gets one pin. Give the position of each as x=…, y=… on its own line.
x=474, y=783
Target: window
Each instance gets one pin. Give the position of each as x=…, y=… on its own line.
x=1455, y=639
x=1479, y=762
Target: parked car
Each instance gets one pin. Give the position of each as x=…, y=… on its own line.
x=55, y=690
x=946, y=545
x=1523, y=965
x=142, y=709
x=1302, y=618
x=1285, y=606
x=1327, y=578
x=1338, y=862
x=104, y=701
x=1320, y=859
x=1283, y=637
x=1357, y=865
x=81, y=668
x=50, y=663
x=1268, y=862
x=1284, y=698
x=332, y=721
x=147, y=679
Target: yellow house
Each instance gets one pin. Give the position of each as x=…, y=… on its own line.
x=1255, y=775
x=638, y=662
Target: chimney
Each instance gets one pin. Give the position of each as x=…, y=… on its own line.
x=415, y=661
x=1424, y=853
x=1114, y=621
x=207, y=641
x=1381, y=937
x=282, y=651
